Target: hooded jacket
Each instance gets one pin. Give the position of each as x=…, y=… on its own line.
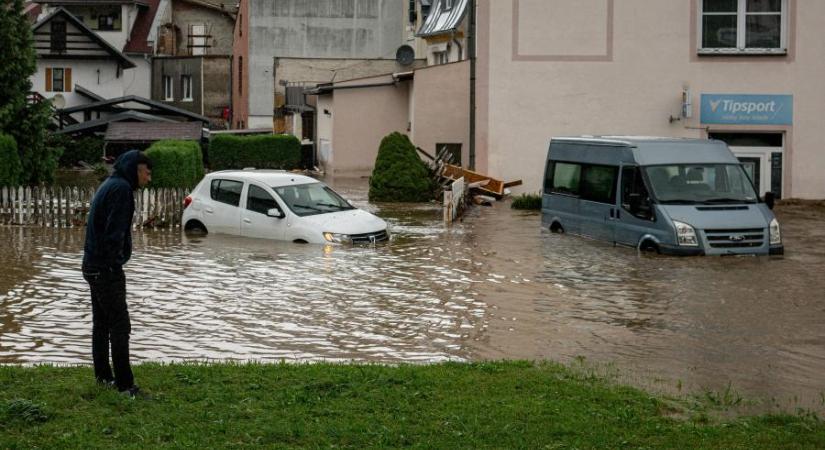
x=109, y=225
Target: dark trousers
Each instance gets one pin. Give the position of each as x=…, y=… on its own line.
x=110, y=324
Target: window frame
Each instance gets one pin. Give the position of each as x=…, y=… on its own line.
x=264, y=190
x=551, y=179
x=186, y=88
x=614, y=188
x=58, y=87
x=168, y=89
x=58, y=32
x=741, y=32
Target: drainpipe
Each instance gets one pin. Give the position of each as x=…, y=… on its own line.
x=460, y=48
x=471, y=50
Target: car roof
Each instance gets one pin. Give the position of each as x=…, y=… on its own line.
x=268, y=177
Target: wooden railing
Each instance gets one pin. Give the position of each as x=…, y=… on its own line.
x=54, y=206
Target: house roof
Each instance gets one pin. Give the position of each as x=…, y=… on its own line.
x=226, y=6
x=154, y=107
x=138, y=42
x=92, y=2
x=115, y=53
x=153, y=131
x=31, y=11
x=87, y=93
x=101, y=124
x=442, y=20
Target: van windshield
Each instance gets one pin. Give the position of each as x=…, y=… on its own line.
x=311, y=199
x=701, y=184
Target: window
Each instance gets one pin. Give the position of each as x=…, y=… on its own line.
x=168, y=94
x=598, y=183
x=412, y=14
x=566, y=178
x=635, y=197
x=311, y=199
x=743, y=26
x=259, y=201
x=58, y=37
x=197, y=39
x=446, y=5
x=701, y=184
x=453, y=152
x=441, y=57
x=58, y=79
x=186, y=87
x=226, y=191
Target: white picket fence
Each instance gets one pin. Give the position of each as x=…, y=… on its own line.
x=454, y=200
x=52, y=206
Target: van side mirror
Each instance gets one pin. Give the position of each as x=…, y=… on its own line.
x=770, y=199
x=276, y=213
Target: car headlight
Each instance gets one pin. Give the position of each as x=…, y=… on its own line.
x=337, y=238
x=776, y=234
x=685, y=234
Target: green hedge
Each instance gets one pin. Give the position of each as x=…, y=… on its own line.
x=271, y=151
x=527, y=201
x=175, y=163
x=399, y=174
x=11, y=170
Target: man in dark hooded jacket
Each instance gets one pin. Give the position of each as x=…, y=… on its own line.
x=108, y=246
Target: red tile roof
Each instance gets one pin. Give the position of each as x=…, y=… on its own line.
x=32, y=10
x=140, y=32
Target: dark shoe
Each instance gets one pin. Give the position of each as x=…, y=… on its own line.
x=109, y=384
x=135, y=392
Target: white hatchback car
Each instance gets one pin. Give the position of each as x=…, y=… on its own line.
x=278, y=205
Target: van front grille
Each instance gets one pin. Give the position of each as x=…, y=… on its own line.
x=370, y=238
x=736, y=238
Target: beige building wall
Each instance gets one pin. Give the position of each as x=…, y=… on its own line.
x=569, y=67
x=362, y=117
x=441, y=107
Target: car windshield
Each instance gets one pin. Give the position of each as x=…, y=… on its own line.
x=311, y=199
x=701, y=184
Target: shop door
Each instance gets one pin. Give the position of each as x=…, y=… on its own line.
x=752, y=166
x=764, y=166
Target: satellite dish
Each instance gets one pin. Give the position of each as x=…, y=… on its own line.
x=405, y=55
x=59, y=101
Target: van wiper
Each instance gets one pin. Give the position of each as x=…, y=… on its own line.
x=678, y=201
x=728, y=200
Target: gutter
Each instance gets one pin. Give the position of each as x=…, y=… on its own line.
x=396, y=78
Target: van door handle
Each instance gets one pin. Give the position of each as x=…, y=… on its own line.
x=618, y=213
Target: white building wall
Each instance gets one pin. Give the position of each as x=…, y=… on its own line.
x=106, y=83
x=138, y=81
x=324, y=128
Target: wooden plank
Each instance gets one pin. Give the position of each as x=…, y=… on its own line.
x=510, y=184
x=494, y=187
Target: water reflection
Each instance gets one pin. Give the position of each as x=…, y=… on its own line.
x=493, y=286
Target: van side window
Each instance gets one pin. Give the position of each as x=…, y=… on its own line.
x=258, y=200
x=566, y=178
x=635, y=197
x=599, y=184
x=226, y=191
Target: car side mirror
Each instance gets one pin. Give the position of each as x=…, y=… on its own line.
x=770, y=199
x=275, y=212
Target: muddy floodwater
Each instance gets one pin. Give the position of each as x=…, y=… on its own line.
x=491, y=287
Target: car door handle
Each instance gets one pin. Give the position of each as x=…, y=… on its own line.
x=245, y=220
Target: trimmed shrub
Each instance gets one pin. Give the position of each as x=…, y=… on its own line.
x=11, y=170
x=399, y=174
x=271, y=151
x=175, y=163
x=527, y=201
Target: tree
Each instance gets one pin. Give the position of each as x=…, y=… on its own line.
x=10, y=168
x=24, y=121
x=399, y=174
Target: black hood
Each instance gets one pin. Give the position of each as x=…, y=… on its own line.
x=126, y=167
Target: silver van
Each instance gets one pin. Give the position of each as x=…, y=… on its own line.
x=669, y=195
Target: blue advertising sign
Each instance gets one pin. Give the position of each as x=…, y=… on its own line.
x=739, y=109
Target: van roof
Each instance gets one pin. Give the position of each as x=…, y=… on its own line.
x=654, y=150
x=268, y=177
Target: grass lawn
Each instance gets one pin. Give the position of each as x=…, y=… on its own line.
x=453, y=405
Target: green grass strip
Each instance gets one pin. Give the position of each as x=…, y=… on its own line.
x=452, y=405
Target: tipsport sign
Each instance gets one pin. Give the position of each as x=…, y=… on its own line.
x=740, y=109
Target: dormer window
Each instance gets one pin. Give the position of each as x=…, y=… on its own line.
x=58, y=37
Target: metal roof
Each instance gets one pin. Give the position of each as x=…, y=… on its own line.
x=155, y=107
x=92, y=125
x=153, y=131
x=443, y=20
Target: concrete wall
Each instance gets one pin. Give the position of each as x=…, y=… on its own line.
x=219, y=25
x=362, y=118
x=210, y=84
x=138, y=81
x=84, y=73
x=568, y=67
x=240, y=68
x=356, y=29
x=313, y=71
x=441, y=107
x=217, y=85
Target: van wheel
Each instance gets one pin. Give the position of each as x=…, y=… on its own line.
x=649, y=247
x=556, y=228
x=195, y=226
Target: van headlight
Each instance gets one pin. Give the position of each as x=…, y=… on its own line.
x=776, y=234
x=685, y=234
x=337, y=238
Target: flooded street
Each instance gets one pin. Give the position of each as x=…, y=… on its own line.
x=494, y=286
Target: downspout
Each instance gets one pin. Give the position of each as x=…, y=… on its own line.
x=460, y=48
x=471, y=50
